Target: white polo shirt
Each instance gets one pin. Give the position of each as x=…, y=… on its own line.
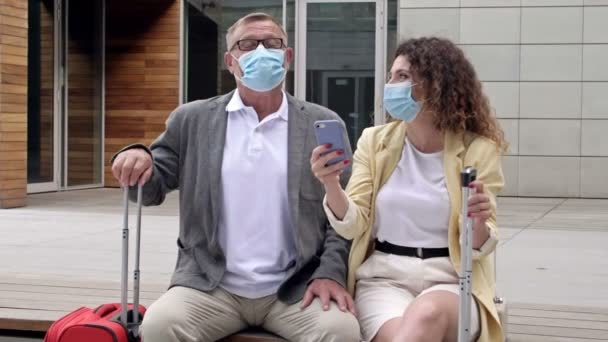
x=256, y=231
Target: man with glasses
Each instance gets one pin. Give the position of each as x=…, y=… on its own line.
x=255, y=248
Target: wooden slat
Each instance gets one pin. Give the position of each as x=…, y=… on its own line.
x=13, y=184
x=541, y=338
x=160, y=48
x=556, y=313
x=558, y=331
x=27, y=320
x=570, y=322
x=14, y=3
x=11, y=194
x=163, y=56
x=13, y=108
x=112, y=93
x=13, y=31
x=12, y=146
x=9, y=136
x=252, y=336
x=59, y=305
x=25, y=290
x=157, y=85
x=7, y=117
x=547, y=323
x=7, y=58
x=161, y=64
x=13, y=21
x=13, y=202
x=564, y=308
x=161, y=34
x=162, y=78
x=13, y=166
x=11, y=11
x=12, y=41
x=13, y=89
x=13, y=126
x=72, y=283
x=12, y=99
x=14, y=50
x=11, y=175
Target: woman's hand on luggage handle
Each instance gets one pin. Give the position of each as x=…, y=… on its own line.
x=480, y=210
x=133, y=166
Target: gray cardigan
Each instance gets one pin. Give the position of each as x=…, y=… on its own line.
x=188, y=156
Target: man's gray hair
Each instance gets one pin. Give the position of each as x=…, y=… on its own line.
x=249, y=18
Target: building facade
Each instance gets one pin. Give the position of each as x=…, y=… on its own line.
x=80, y=79
x=544, y=64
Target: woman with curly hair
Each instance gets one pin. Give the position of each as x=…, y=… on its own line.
x=401, y=206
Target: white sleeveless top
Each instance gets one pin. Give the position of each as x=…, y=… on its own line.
x=413, y=207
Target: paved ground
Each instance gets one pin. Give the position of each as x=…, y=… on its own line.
x=552, y=251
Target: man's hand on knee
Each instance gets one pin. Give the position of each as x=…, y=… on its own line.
x=328, y=290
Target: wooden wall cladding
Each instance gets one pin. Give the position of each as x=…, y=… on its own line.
x=142, y=72
x=13, y=103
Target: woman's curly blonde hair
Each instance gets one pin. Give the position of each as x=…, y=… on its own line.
x=452, y=88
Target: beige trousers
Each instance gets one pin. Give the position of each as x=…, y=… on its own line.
x=387, y=284
x=188, y=315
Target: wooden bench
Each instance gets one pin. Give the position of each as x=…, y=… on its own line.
x=253, y=335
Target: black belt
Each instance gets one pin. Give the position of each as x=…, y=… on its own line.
x=422, y=253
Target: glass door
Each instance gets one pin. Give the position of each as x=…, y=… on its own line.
x=83, y=83
x=343, y=67
x=42, y=121
x=65, y=94
x=350, y=93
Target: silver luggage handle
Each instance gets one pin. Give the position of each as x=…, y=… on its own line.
x=467, y=176
x=124, y=281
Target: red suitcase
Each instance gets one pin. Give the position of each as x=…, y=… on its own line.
x=108, y=322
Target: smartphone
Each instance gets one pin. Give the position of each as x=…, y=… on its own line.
x=331, y=132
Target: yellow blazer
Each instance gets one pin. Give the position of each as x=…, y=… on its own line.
x=378, y=152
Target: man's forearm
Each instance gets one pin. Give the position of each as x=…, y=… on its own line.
x=334, y=259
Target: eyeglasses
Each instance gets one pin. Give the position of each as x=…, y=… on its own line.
x=252, y=44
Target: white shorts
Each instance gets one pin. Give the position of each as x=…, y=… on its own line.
x=388, y=283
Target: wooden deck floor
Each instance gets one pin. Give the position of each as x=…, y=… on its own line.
x=33, y=303
x=530, y=322
x=63, y=253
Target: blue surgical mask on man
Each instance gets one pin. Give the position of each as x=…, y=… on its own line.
x=262, y=68
x=398, y=101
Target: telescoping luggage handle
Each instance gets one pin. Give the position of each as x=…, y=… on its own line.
x=467, y=176
x=124, y=282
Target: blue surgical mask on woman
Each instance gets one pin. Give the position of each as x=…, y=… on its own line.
x=262, y=68
x=398, y=101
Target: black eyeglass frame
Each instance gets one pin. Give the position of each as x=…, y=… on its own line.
x=258, y=41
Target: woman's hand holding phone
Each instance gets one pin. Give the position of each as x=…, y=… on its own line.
x=328, y=174
x=328, y=161
x=329, y=158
